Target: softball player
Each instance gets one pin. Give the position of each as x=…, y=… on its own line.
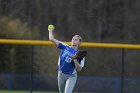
x=67, y=67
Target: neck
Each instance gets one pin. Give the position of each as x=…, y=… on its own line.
x=75, y=47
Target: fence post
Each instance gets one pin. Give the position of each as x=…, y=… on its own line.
x=122, y=71
x=31, y=69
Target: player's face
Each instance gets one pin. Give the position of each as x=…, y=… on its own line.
x=75, y=41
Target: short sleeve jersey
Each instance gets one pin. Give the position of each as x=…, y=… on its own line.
x=65, y=63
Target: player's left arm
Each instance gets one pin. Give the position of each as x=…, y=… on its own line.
x=77, y=65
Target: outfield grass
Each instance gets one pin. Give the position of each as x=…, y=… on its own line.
x=25, y=92
x=6, y=91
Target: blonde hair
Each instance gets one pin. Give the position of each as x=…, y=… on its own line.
x=80, y=38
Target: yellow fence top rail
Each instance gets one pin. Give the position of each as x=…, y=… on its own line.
x=84, y=44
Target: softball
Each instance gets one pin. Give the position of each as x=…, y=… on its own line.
x=50, y=27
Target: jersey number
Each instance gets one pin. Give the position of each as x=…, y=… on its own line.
x=68, y=59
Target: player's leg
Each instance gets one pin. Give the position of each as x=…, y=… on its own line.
x=61, y=82
x=70, y=83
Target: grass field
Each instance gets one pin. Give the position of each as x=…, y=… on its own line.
x=6, y=91
x=25, y=92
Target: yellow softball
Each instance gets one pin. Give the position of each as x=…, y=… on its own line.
x=51, y=27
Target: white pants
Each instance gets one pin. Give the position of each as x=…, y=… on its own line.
x=66, y=82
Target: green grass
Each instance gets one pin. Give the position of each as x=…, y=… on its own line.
x=4, y=91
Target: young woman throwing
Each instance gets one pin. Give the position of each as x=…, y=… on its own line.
x=67, y=66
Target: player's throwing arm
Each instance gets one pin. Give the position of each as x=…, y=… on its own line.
x=51, y=36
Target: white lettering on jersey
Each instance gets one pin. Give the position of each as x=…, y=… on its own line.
x=68, y=58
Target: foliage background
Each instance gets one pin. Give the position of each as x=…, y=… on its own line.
x=105, y=21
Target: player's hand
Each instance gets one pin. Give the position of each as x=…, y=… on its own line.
x=80, y=55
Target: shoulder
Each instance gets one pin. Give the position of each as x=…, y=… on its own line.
x=62, y=45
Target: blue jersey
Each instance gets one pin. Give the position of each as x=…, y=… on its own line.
x=65, y=63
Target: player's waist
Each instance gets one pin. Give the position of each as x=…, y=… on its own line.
x=67, y=73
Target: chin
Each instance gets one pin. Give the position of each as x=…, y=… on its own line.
x=74, y=45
